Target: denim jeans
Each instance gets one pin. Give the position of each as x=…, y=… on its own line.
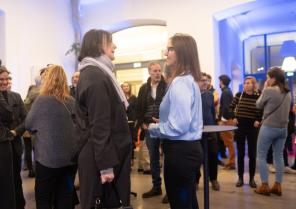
x=276, y=137
x=153, y=145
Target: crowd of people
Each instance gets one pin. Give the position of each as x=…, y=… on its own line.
x=92, y=127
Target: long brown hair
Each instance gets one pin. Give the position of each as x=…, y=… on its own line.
x=280, y=80
x=55, y=83
x=187, y=56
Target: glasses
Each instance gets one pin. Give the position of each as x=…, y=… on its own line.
x=5, y=79
x=169, y=49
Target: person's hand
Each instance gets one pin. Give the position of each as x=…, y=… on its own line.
x=235, y=122
x=13, y=132
x=144, y=126
x=156, y=120
x=151, y=126
x=266, y=84
x=256, y=124
x=107, y=177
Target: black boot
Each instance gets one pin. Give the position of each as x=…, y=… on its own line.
x=152, y=192
x=252, y=183
x=240, y=182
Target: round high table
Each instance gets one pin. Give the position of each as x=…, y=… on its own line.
x=210, y=129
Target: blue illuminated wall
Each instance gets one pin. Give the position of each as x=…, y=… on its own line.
x=234, y=25
x=231, y=56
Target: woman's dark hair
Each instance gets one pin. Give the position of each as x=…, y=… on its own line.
x=280, y=80
x=93, y=42
x=225, y=80
x=187, y=56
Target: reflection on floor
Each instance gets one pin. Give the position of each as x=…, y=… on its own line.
x=229, y=197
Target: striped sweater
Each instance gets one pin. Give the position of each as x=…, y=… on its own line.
x=243, y=108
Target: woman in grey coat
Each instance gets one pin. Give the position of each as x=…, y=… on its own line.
x=50, y=118
x=104, y=160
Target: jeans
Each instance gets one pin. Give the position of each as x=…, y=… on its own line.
x=276, y=137
x=153, y=145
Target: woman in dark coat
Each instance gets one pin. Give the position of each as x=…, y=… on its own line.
x=12, y=116
x=104, y=160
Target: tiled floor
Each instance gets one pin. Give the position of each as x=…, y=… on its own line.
x=229, y=197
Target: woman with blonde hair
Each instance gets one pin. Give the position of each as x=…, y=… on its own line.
x=50, y=118
x=247, y=118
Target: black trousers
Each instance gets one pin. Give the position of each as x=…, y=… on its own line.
x=7, y=194
x=212, y=155
x=17, y=167
x=54, y=187
x=182, y=160
x=28, y=148
x=241, y=136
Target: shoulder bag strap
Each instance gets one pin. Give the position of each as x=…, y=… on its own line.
x=237, y=105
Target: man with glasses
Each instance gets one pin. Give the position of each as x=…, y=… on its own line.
x=208, y=113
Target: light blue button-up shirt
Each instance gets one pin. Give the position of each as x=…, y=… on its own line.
x=180, y=111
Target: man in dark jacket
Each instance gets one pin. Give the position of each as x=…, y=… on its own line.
x=74, y=80
x=11, y=192
x=149, y=99
x=224, y=118
x=209, y=118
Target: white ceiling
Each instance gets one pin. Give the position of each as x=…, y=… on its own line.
x=277, y=16
x=140, y=43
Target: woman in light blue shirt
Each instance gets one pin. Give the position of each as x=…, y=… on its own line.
x=181, y=123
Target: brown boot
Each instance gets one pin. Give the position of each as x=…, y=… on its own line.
x=276, y=189
x=263, y=189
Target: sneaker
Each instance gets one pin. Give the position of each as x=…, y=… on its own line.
x=165, y=200
x=215, y=185
x=152, y=192
x=239, y=183
x=252, y=183
x=271, y=168
x=289, y=170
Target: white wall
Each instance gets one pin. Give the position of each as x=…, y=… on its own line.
x=2, y=36
x=36, y=33
x=194, y=17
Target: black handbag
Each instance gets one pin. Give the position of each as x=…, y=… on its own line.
x=104, y=202
x=81, y=131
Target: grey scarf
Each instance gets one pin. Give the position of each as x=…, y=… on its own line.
x=104, y=63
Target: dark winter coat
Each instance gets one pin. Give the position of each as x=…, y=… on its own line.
x=107, y=134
